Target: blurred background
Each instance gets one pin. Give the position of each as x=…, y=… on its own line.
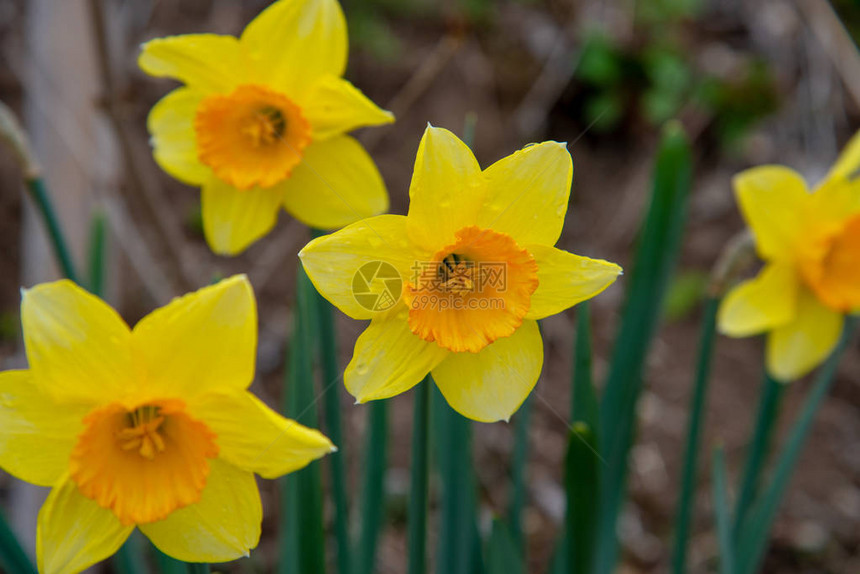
x=761, y=81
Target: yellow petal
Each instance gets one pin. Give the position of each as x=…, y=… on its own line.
x=204, y=341
x=760, y=304
x=491, y=385
x=528, y=193
x=206, y=61
x=835, y=201
x=336, y=184
x=848, y=163
x=335, y=107
x=38, y=434
x=793, y=350
x=295, y=42
x=233, y=219
x=446, y=192
x=773, y=200
x=223, y=526
x=333, y=261
x=74, y=532
x=79, y=349
x=255, y=438
x=171, y=125
x=389, y=359
x=565, y=279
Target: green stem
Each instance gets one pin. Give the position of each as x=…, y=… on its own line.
x=584, y=404
x=753, y=540
x=453, y=434
x=721, y=510
x=656, y=255
x=130, y=559
x=373, y=498
x=197, y=568
x=418, y=491
x=768, y=411
x=97, y=255
x=334, y=426
x=582, y=464
x=36, y=187
x=167, y=564
x=694, y=433
x=520, y=460
x=302, y=537
x=12, y=555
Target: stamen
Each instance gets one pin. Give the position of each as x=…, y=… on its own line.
x=455, y=273
x=142, y=433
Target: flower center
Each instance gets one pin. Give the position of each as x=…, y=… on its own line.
x=834, y=276
x=253, y=136
x=143, y=463
x=472, y=292
x=142, y=434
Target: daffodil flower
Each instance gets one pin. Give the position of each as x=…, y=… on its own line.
x=260, y=124
x=150, y=428
x=477, y=266
x=810, y=244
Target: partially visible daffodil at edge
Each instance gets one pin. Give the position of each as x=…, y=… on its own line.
x=150, y=428
x=809, y=241
x=261, y=123
x=480, y=341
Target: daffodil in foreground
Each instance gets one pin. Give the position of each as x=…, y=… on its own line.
x=151, y=427
x=810, y=243
x=477, y=266
x=260, y=124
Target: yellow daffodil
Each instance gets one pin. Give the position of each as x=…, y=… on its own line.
x=151, y=427
x=462, y=279
x=810, y=244
x=260, y=124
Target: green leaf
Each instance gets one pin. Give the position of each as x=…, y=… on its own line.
x=721, y=510
x=130, y=558
x=169, y=565
x=503, y=556
x=302, y=540
x=97, y=254
x=416, y=546
x=754, y=535
x=765, y=422
x=12, y=555
x=686, y=291
x=518, y=473
x=585, y=406
x=654, y=263
x=327, y=346
x=694, y=433
x=373, y=499
x=40, y=196
x=582, y=485
x=457, y=530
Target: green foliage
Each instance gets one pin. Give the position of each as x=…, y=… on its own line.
x=754, y=534
x=694, y=432
x=12, y=556
x=502, y=553
x=653, y=266
x=302, y=540
x=10, y=326
x=737, y=104
x=685, y=293
x=655, y=79
x=721, y=511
